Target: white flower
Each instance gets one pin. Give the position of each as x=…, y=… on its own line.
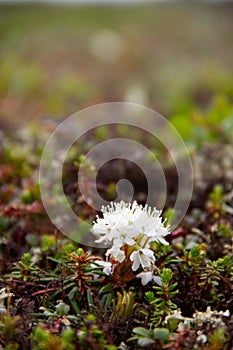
x=119, y=242
x=148, y=276
x=125, y=221
x=150, y=224
x=125, y=224
x=107, y=266
x=117, y=222
x=4, y=294
x=116, y=253
x=184, y=326
x=144, y=257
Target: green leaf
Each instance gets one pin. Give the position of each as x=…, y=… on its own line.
x=145, y=342
x=62, y=309
x=161, y=334
x=72, y=292
x=149, y=296
x=166, y=275
x=75, y=306
x=143, y=332
x=106, y=289
x=90, y=301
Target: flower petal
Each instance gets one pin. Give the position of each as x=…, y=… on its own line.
x=146, y=277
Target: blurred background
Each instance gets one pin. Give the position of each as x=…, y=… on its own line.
x=56, y=59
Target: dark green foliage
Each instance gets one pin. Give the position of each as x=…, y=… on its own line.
x=162, y=299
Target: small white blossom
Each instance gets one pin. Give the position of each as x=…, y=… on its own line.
x=202, y=338
x=150, y=223
x=119, y=242
x=144, y=257
x=184, y=326
x=4, y=294
x=199, y=317
x=131, y=225
x=116, y=253
x=148, y=276
x=107, y=266
x=127, y=221
x=117, y=222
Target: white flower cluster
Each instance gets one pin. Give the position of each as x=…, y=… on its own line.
x=124, y=224
x=199, y=318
